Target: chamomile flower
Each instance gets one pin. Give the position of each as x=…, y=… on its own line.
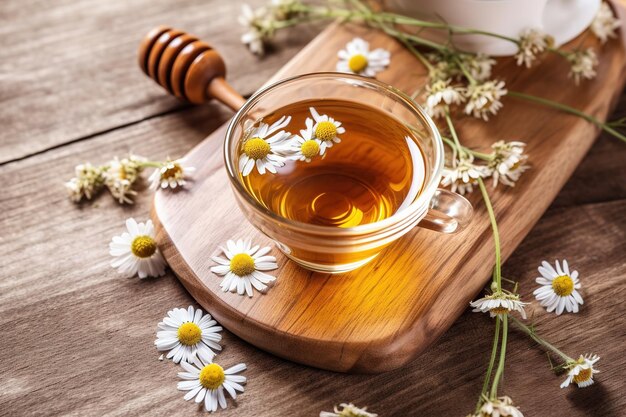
x=171, y=174
x=478, y=65
x=581, y=371
x=120, y=176
x=244, y=266
x=583, y=65
x=508, y=163
x=261, y=149
x=499, y=407
x=187, y=333
x=326, y=129
x=88, y=181
x=305, y=146
x=558, y=289
x=483, y=99
x=605, y=23
x=441, y=94
x=136, y=251
x=207, y=382
x=462, y=175
x=499, y=303
x=348, y=410
x=358, y=59
x=532, y=42
x=255, y=22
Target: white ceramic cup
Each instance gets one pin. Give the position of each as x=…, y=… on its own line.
x=563, y=19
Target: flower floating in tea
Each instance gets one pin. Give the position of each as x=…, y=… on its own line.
x=558, y=289
x=326, y=129
x=262, y=147
x=498, y=303
x=243, y=269
x=581, y=371
x=187, y=333
x=305, y=146
x=171, y=174
x=358, y=59
x=206, y=381
x=135, y=252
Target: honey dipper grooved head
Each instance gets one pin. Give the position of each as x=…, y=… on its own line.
x=180, y=63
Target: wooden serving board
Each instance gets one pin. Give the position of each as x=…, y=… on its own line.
x=382, y=315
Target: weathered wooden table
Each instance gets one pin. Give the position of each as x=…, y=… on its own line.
x=76, y=339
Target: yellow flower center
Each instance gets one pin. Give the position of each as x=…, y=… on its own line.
x=189, y=334
x=143, y=246
x=256, y=148
x=242, y=264
x=325, y=130
x=563, y=285
x=310, y=148
x=212, y=376
x=171, y=171
x=583, y=375
x=499, y=310
x=357, y=63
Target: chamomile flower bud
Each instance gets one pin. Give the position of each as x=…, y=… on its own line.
x=508, y=163
x=583, y=65
x=88, y=181
x=483, y=99
x=605, y=23
x=532, y=43
x=441, y=94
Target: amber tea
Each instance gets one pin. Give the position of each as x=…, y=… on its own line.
x=336, y=163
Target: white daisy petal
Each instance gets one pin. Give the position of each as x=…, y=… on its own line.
x=136, y=251
x=210, y=381
x=558, y=291
x=189, y=336
x=242, y=273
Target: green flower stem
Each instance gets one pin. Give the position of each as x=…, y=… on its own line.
x=500, y=369
x=453, y=133
x=417, y=53
x=533, y=335
x=497, y=273
x=569, y=110
x=150, y=164
x=371, y=18
x=405, y=20
x=492, y=361
x=479, y=155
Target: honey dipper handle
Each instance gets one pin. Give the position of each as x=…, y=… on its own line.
x=225, y=93
x=186, y=67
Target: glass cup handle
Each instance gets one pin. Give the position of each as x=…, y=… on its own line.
x=448, y=212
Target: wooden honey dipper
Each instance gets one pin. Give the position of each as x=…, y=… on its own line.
x=186, y=67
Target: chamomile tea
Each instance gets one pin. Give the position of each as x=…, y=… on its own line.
x=334, y=163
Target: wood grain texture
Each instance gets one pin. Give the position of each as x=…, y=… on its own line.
x=77, y=338
x=384, y=314
x=63, y=79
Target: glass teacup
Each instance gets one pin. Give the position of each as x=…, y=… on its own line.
x=331, y=249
